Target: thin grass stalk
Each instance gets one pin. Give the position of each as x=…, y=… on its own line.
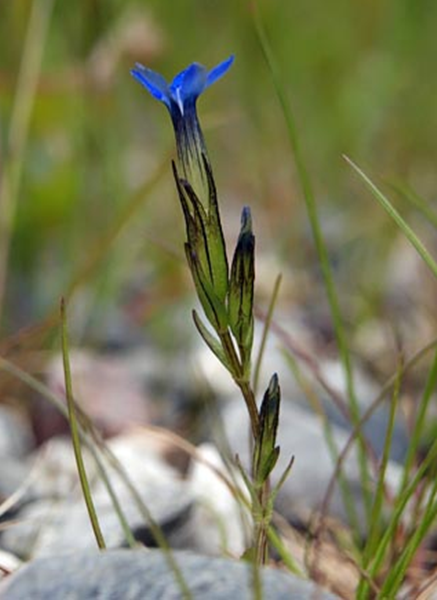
x=75, y=435
x=265, y=333
x=400, y=222
x=321, y=251
x=417, y=201
x=28, y=75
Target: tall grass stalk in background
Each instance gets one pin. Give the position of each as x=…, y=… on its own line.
x=323, y=256
x=225, y=293
x=27, y=82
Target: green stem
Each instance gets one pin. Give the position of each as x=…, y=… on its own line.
x=241, y=381
x=260, y=506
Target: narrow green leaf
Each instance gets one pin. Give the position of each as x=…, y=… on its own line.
x=212, y=342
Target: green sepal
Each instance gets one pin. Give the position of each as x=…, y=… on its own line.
x=266, y=453
x=241, y=286
x=195, y=223
x=215, y=310
x=217, y=245
x=204, y=232
x=212, y=343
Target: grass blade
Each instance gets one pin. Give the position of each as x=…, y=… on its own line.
x=265, y=333
x=417, y=201
x=400, y=222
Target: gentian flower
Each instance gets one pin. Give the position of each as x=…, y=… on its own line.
x=180, y=98
x=205, y=246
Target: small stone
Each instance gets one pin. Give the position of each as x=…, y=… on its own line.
x=55, y=521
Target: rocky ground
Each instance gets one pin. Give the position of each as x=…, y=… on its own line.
x=47, y=546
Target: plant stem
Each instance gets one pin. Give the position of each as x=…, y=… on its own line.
x=249, y=398
x=260, y=506
x=241, y=381
x=262, y=525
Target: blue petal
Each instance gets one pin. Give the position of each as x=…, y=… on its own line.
x=153, y=82
x=219, y=71
x=189, y=84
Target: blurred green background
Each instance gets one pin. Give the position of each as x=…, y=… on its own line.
x=94, y=212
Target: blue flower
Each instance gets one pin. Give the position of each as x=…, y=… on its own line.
x=180, y=98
